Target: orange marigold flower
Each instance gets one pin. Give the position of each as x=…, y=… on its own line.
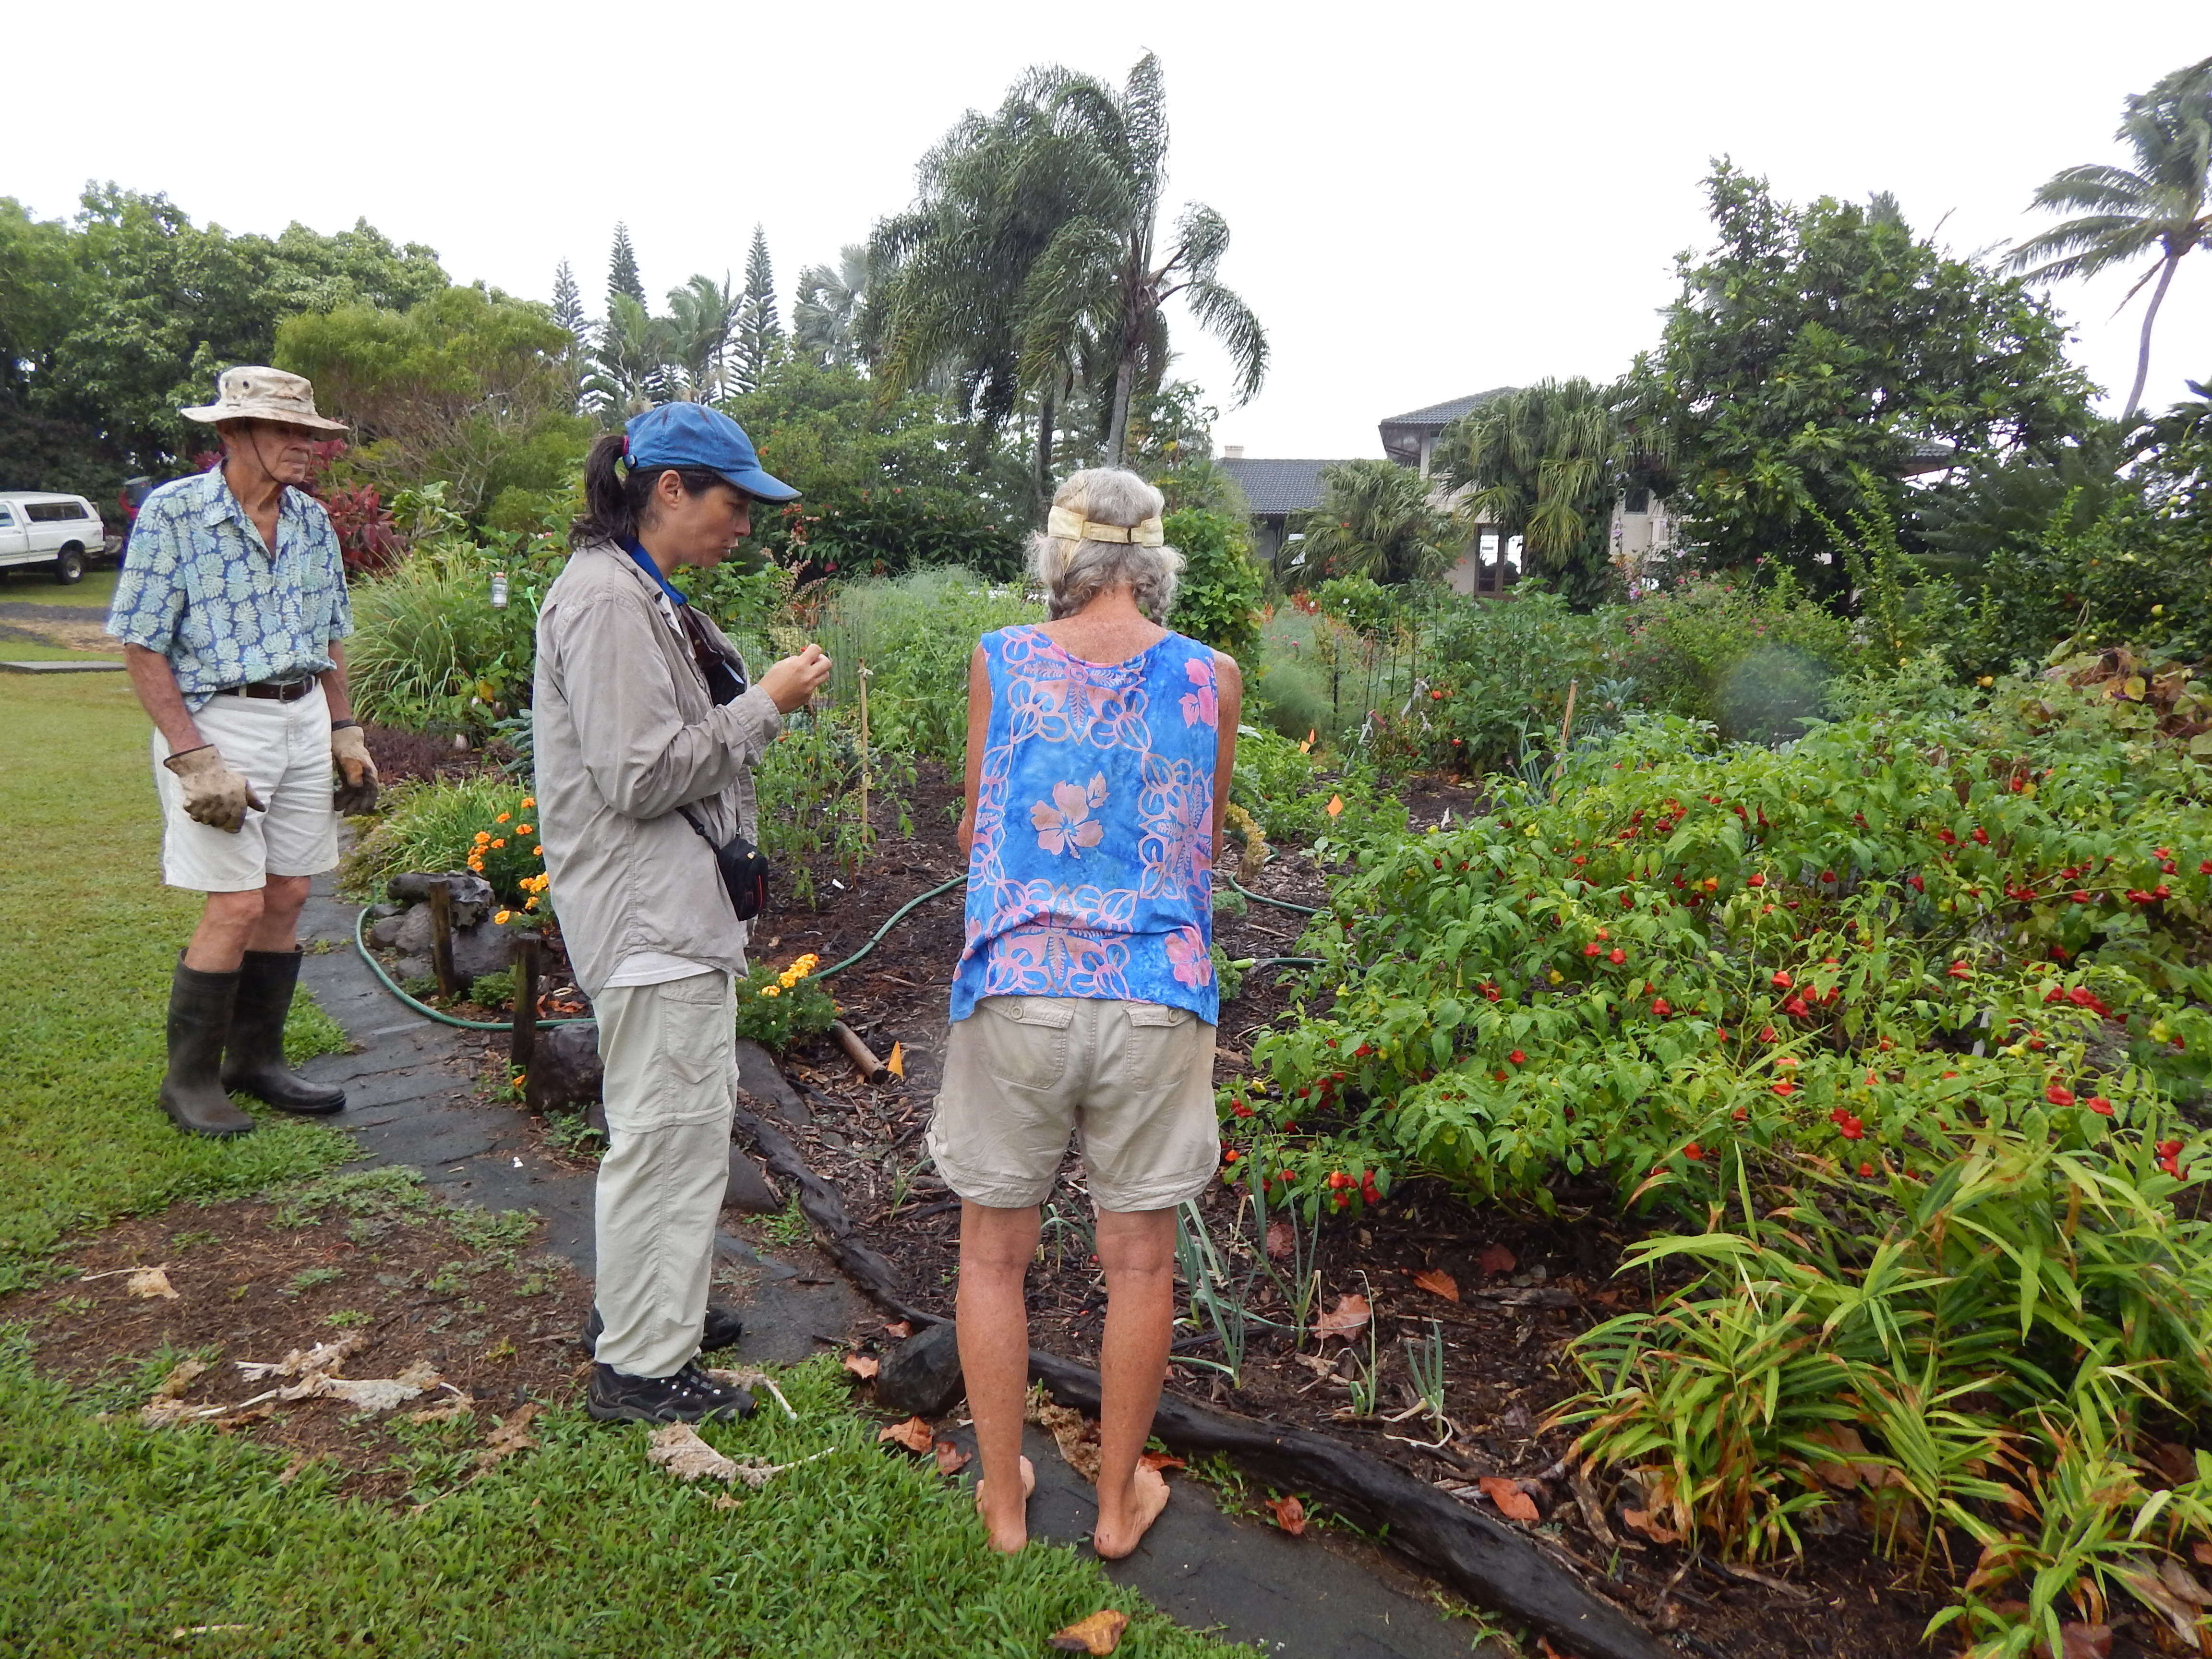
x=521, y=828
x=502, y=818
x=530, y=800
x=501, y=842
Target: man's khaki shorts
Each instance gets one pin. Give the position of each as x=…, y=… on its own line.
x=1132, y=1081
x=282, y=749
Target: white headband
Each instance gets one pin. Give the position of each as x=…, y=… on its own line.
x=1067, y=522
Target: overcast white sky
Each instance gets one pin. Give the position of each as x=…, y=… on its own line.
x=1426, y=199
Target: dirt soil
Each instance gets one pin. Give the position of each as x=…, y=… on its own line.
x=458, y=1293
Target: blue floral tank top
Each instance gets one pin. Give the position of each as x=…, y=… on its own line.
x=1092, y=870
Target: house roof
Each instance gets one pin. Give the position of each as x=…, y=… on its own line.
x=1277, y=486
x=1442, y=415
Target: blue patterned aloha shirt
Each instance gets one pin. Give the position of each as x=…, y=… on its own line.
x=198, y=587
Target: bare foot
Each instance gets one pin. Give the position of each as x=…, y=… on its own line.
x=1148, y=1496
x=1008, y=1536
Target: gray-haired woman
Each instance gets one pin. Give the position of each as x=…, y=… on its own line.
x=1099, y=750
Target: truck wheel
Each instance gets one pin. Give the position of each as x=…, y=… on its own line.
x=69, y=565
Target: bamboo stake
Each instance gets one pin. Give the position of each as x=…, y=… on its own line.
x=863, y=756
x=1567, y=725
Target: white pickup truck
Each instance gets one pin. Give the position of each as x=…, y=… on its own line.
x=59, y=530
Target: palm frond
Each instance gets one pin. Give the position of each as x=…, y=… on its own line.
x=1224, y=315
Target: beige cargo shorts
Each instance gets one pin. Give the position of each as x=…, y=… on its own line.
x=1132, y=1081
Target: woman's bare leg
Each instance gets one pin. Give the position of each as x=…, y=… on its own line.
x=993, y=1328
x=1137, y=1249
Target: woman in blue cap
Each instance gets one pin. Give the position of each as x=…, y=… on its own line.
x=647, y=732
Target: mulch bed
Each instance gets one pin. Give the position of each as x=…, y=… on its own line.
x=498, y=1324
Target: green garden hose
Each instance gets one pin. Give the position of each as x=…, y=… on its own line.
x=361, y=944
x=897, y=916
x=1302, y=909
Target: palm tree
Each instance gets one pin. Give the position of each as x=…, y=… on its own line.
x=2161, y=204
x=825, y=321
x=1374, y=519
x=703, y=319
x=1100, y=290
x=1544, y=464
x=630, y=363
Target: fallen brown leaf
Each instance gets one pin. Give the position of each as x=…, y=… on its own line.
x=460, y=1406
x=2082, y=1642
x=2202, y=1552
x=1076, y=1435
x=1497, y=1259
x=2175, y=1462
x=297, y=1461
x=950, y=1460
x=1437, y=1282
x=509, y=1437
x=900, y=1329
x=2149, y=1589
x=679, y=1448
x=1281, y=1240
x=1512, y=1502
x=1290, y=1514
x=914, y=1434
x=862, y=1366
x=166, y=1405
x=1651, y=1529
x=1100, y=1633
x=150, y=1283
x=1347, y=1319
x=2183, y=1582
x=1159, y=1461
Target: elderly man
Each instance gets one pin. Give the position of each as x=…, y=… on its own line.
x=230, y=608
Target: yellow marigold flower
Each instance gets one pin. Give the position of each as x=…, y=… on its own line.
x=502, y=818
x=530, y=903
x=770, y=991
x=504, y=917
x=530, y=800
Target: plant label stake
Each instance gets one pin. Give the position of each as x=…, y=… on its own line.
x=524, y=1048
x=442, y=937
x=863, y=756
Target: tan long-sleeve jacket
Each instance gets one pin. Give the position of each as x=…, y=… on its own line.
x=626, y=734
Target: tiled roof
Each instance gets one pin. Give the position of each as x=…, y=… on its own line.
x=1443, y=414
x=1277, y=486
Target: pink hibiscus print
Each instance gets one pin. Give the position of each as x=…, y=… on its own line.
x=1064, y=823
x=1193, y=961
x=1199, y=707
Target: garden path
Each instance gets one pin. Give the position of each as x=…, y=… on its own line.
x=411, y=1091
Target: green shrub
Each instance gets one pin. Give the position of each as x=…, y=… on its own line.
x=1501, y=668
x=1276, y=780
x=1360, y=603
x=1753, y=658
x=1218, y=599
x=452, y=824
x=776, y=1005
x=430, y=652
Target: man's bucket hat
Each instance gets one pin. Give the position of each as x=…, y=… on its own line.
x=694, y=435
x=255, y=393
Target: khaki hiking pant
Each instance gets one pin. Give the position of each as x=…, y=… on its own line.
x=670, y=1051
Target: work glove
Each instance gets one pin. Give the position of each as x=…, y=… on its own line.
x=356, y=785
x=214, y=794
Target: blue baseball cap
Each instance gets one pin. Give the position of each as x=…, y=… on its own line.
x=694, y=435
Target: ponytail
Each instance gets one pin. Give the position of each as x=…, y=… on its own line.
x=618, y=498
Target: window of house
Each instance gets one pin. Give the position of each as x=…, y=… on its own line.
x=1637, y=500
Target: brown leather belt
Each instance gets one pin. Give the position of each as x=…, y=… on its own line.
x=279, y=690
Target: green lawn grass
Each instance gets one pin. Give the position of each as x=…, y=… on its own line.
x=123, y=1535
x=31, y=584
x=125, y=1541
x=25, y=651
x=91, y=937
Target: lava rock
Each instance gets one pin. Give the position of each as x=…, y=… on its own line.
x=921, y=1376
x=484, y=948
x=386, y=930
x=471, y=894
x=749, y=1192
x=759, y=1076
x=405, y=971
x=566, y=1068
x=380, y=912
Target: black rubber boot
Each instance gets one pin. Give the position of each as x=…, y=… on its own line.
x=200, y=1020
x=254, y=1064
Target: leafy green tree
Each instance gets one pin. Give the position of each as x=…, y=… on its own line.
x=1544, y=464
x=1815, y=346
x=887, y=482
x=1218, y=598
x=568, y=313
x=2163, y=204
x=759, y=330
x=622, y=279
x=1374, y=519
x=113, y=322
x=825, y=322
x=703, y=331
x=468, y=386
